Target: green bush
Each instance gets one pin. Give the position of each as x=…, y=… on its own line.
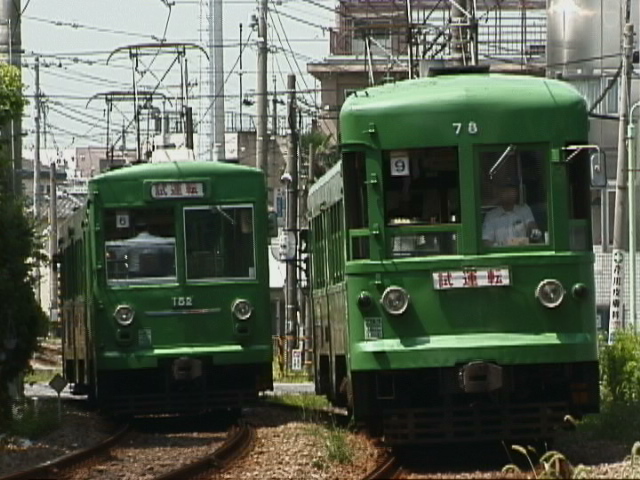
x=620, y=369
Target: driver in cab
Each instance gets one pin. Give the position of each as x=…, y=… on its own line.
x=510, y=223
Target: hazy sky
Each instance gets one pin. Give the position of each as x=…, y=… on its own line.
x=75, y=37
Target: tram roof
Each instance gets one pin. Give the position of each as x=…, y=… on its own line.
x=451, y=89
x=420, y=112
x=172, y=170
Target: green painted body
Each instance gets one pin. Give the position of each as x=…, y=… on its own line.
x=443, y=329
x=166, y=328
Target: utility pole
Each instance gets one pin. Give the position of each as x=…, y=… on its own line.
x=261, y=94
x=619, y=233
x=53, y=243
x=36, y=159
x=216, y=81
x=304, y=303
x=633, y=155
x=409, y=39
x=240, y=74
x=292, y=218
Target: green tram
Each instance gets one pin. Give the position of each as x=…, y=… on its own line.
x=452, y=264
x=164, y=289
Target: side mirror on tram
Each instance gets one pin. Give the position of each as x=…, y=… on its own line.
x=597, y=162
x=598, y=168
x=272, y=219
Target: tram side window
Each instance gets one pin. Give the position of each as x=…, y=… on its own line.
x=219, y=242
x=579, y=201
x=355, y=190
x=513, y=193
x=140, y=246
x=356, y=202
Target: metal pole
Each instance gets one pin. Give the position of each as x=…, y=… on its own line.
x=292, y=217
x=15, y=184
x=615, y=317
x=136, y=110
x=53, y=242
x=261, y=93
x=36, y=159
x=631, y=136
x=410, y=38
x=218, y=83
x=305, y=307
x=240, y=73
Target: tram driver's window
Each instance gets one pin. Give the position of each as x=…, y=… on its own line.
x=219, y=242
x=422, y=186
x=140, y=246
x=513, y=197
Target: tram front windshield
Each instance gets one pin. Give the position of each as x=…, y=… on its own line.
x=140, y=246
x=513, y=194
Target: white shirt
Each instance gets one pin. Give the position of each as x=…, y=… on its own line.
x=507, y=227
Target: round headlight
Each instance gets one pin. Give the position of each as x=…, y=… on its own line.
x=550, y=293
x=395, y=300
x=242, y=309
x=124, y=315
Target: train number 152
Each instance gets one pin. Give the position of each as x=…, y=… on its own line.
x=182, y=301
x=471, y=127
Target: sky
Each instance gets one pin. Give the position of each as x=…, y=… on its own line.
x=74, y=38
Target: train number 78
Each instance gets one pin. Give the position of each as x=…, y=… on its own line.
x=472, y=127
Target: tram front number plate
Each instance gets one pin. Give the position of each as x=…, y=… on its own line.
x=471, y=278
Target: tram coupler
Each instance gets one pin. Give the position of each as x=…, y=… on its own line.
x=186, y=368
x=480, y=377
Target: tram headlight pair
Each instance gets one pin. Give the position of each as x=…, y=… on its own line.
x=550, y=293
x=124, y=315
x=242, y=309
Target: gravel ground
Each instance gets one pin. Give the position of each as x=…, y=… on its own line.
x=290, y=447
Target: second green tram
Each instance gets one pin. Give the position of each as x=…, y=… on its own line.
x=452, y=263
x=165, y=295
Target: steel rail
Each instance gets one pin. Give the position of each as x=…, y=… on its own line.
x=388, y=468
x=238, y=442
x=52, y=469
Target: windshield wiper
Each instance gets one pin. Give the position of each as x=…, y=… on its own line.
x=492, y=171
x=226, y=215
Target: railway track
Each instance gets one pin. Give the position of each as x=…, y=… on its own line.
x=93, y=462
x=58, y=467
x=387, y=468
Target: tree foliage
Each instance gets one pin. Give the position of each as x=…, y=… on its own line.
x=21, y=317
x=326, y=152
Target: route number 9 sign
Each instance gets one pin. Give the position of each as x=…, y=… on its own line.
x=399, y=164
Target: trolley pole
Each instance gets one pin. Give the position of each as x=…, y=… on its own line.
x=292, y=218
x=619, y=234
